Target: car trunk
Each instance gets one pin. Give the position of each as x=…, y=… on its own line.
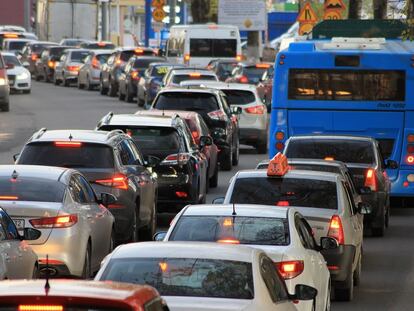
x=319, y=219
x=206, y=304
x=21, y=211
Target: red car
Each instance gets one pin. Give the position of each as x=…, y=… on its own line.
x=67, y=295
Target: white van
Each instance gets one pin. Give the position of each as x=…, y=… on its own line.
x=197, y=45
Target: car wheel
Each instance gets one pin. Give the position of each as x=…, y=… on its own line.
x=80, y=85
x=379, y=231
x=236, y=153
x=228, y=160
x=64, y=81
x=86, y=273
x=88, y=84
x=111, y=89
x=55, y=81
x=357, y=272
x=214, y=178
x=102, y=89
x=129, y=98
x=121, y=96
x=148, y=233
x=38, y=77
x=261, y=147
x=47, y=78
x=141, y=102
x=346, y=294
x=27, y=91
x=134, y=233
x=6, y=107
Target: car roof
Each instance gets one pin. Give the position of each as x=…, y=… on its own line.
x=132, y=48
x=181, y=113
x=221, y=85
x=205, y=250
x=247, y=210
x=189, y=70
x=90, y=136
x=320, y=162
x=338, y=137
x=32, y=171
x=75, y=288
x=140, y=119
x=179, y=89
x=301, y=174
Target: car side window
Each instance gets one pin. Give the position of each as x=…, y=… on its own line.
x=349, y=197
x=9, y=226
x=351, y=184
x=226, y=106
x=302, y=235
x=204, y=129
x=87, y=189
x=138, y=157
x=307, y=233
x=274, y=284
x=77, y=192
x=188, y=138
x=125, y=153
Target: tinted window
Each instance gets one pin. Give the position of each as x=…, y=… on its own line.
x=386, y=147
x=17, y=45
x=199, y=102
x=247, y=230
x=78, y=56
x=348, y=151
x=86, y=156
x=213, y=47
x=56, y=52
x=32, y=189
x=102, y=58
x=274, y=284
x=126, y=55
x=177, y=79
x=9, y=226
x=362, y=85
x=239, y=97
x=144, y=62
x=254, y=74
x=186, y=276
x=285, y=191
x=11, y=60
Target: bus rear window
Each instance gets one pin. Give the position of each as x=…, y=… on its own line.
x=213, y=47
x=346, y=85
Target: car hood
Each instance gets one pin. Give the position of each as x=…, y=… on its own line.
x=206, y=304
x=17, y=70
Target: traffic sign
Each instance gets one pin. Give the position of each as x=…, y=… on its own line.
x=307, y=14
x=157, y=4
x=305, y=29
x=158, y=15
x=332, y=14
x=334, y=5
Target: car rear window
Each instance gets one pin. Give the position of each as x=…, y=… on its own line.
x=17, y=45
x=190, y=277
x=189, y=101
x=177, y=79
x=347, y=151
x=285, y=191
x=78, y=56
x=226, y=67
x=86, y=156
x=56, y=51
x=32, y=189
x=8, y=59
x=254, y=74
x=145, y=62
x=37, y=48
x=239, y=97
x=102, y=58
x=246, y=230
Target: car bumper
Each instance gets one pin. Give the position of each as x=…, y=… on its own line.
x=95, y=76
x=21, y=85
x=252, y=136
x=397, y=186
x=339, y=262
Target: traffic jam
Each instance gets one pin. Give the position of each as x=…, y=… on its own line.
x=80, y=210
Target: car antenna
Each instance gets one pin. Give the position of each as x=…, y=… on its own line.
x=47, y=285
x=14, y=175
x=70, y=136
x=234, y=210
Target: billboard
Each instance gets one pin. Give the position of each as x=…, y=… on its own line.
x=248, y=15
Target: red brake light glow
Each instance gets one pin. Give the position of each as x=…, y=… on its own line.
x=195, y=75
x=119, y=182
x=181, y=194
x=290, y=269
x=40, y=308
x=283, y=203
x=243, y=79
x=229, y=241
x=410, y=138
x=135, y=75
x=8, y=197
x=410, y=159
x=64, y=221
x=255, y=110
x=371, y=179
x=73, y=68
x=139, y=51
x=217, y=115
x=101, y=44
x=68, y=144
x=336, y=230
x=95, y=63
x=262, y=66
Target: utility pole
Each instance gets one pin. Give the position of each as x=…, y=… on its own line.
x=27, y=14
x=173, y=14
x=104, y=21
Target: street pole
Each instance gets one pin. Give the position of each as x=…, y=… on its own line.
x=27, y=14
x=104, y=21
x=147, y=21
x=173, y=14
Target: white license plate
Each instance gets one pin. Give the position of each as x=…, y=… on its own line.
x=19, y=223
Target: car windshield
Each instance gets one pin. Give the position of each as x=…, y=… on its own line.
x=239, y=97
x=78, y=56
x=17, y=45
x=190, y=101
x=144, y=62
x=31, y=189
x=246, y=230
x=348, y=151
x=8, y=59
x=254, y=74
x=191, y=277
x=86, y=155
x=177, y=79
x=285, y=192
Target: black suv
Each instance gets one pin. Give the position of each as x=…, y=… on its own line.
x=112, y=163
x=45, y=65
x=212, y=106
x=112, y=69
x=166, y=142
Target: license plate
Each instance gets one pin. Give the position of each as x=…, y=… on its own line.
x=19, y=223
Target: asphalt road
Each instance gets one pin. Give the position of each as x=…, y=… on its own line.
x=388, y=264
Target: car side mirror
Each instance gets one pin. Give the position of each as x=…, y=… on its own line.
x=391, y=164
x=31, y=234
x=304, y=292
x=26, y=64
x=152, y=161
x=159, y=236
x=205, y=141
x=219, y=200
x=9, y=66
x=16, y=156
x=364, y=208
x=236, y=110
x=328, y=243
x=365, y=190
x=107, y=199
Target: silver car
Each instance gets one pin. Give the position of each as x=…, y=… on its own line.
x=90, y=72
x=17, y=259
x=76, y=228
x=67, y=69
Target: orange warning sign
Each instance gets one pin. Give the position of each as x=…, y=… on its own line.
x=157, y=4
x=305, y=29
x=332, y=15
x=307, y=14
x=158, y=15
x=334, y=5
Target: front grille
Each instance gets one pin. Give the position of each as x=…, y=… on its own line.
x=11, y=78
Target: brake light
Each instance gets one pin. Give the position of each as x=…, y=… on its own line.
x=255, y=110
x=181, y=194
x=53, y=262
x=64, y=221
x=410, y=148
x=243, y=79
x=217, y=115
x=138, y=51
x=119, y=181
x=118, y=62
x=336, y=230
x=283, y=203
x=135, y=75
x=194, y=134
x=8, y=197
x=195, y=75
x=72, y=68
x=51, y=64
x=239, y=57
x=280, y=146
x=371, y=179
x=176, y=158
x=40, y=308
x=290, y=269
x=410, y=138
x=68, y=144
x=410, y=159
x=228, y=241
x=34, y=57
x=95, y=63
x=11, y=35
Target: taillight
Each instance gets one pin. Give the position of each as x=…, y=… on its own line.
x=217, y=115
x=371, y=179
x=243, y=79
x=8, y=197
x=72, y=68
x=255, y=110
x=95, y=63
x=181, y=194
x=195, y=135
x=34, y=57
x=51, y=64
x=176, y=158
x=118, y=62
x=410, y=148
x=290, y=269
x=68, y=144
x=64, y=221
x=40, y=308
x=336, y=230
x=135, y=75
x=119, y=181
x=239, y=57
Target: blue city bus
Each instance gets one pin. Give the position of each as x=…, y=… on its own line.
x=350, y=86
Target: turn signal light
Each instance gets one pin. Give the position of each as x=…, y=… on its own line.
x=186, y=58
x=336, y=230
x=290, y=269
x=410, y=159
x=239, y=57
x=40, y=308
x=64, y=221
x=119, y=182
x=280, y=135
x=135, y=75
x=280, y=146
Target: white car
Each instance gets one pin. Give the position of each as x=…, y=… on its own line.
x=204, y=276
x=177, y=75
x=281, y=232
x=324, y=199
x=19, y=77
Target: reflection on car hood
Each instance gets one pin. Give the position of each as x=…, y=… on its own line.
x=207, y=304
x=17, y=70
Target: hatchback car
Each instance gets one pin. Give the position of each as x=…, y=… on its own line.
x=19, y=77
x=324, y=199
x=180, y=167
x=248, y=72
x=282, y=233
x=90, y=71
x=4, y=87
x=204, y=276
x=214, y=109
x=46, y=63
x=222, y=67
x=177, y=75
x=31, y=52
x=17, y=259
x=67, y=69
x=113, y=164
x=77, y=230
x=132, y=73
x=363, y=158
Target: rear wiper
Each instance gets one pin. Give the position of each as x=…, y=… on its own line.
x=72, y=165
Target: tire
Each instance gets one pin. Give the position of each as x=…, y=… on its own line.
x=111, y=89
x=65, y=82
x=227, y=161
x=38, y=77
x=102, y=89
x=129, y=98
x=261, y=147
x=55, y=81
x=141, y=103
x=379, y=231
x=47, y=78
x=121, y=96
x=214, y=179
x=236, y=153
x=346, y=294
x=6, y=107
x=27, y=91
x=80, y=85
x=134, y=234
x=88, y=84
x=112, y=242
x=87, y=273
x=357, y=272
x=148, y=233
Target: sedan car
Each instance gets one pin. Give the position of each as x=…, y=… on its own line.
x=46, y=63
x=90, y=71
x=177, y=75
x=4, y=87
x=79, y=295
x=19, y=77
x=67, y=69
x=247, y=72
x=282, y=233
x=17, y=259
x=31, y=52
x=204, y=276
x=76, y=228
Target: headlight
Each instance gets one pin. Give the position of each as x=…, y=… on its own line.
x=2, y=81
x=23, y=76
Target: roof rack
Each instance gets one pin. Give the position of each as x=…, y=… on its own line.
x=39, y=133
x=108, y=117
x=114, y=132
